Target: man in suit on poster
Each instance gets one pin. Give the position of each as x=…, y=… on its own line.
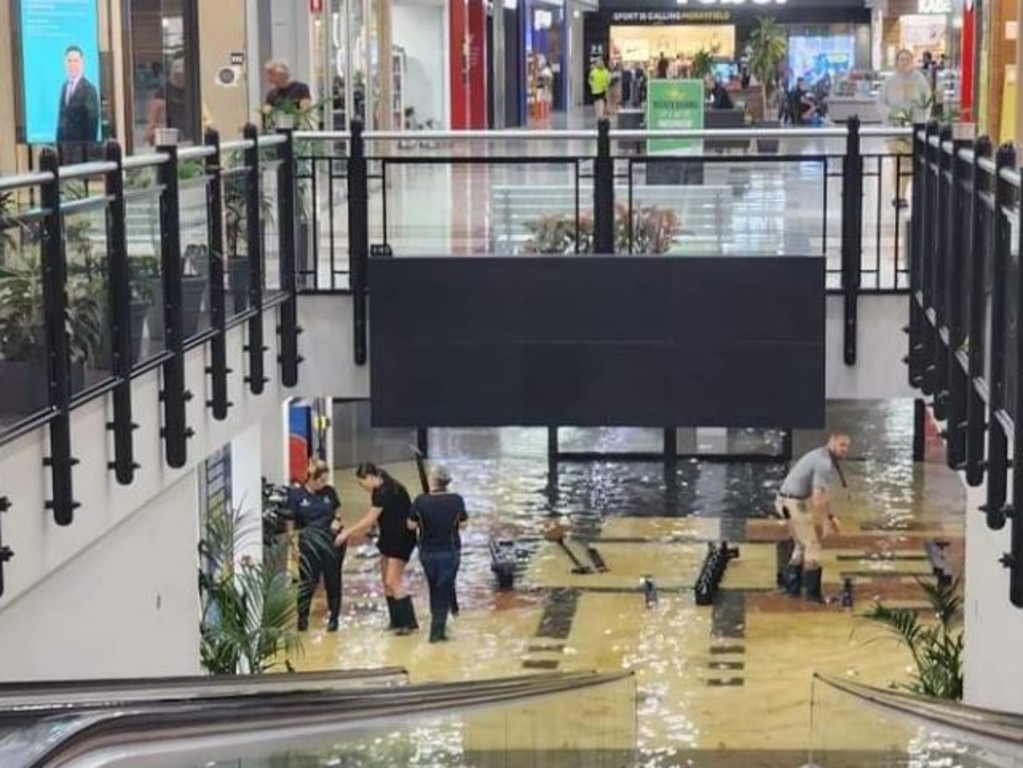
x=78, y=113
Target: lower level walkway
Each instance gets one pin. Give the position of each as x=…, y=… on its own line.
x=736, y=675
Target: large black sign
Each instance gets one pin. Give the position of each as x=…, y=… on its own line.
x=587, y=341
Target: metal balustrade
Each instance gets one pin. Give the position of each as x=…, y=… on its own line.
x=965, y=345
x=115, y=268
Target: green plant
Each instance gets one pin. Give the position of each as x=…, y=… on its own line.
x=249, y=608
x=768, y=45
x=22, y=321
x=936, y=647
x=8, y=221
x=702, y=64
x=653, y=231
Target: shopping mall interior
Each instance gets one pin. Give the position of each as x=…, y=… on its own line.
x=570, y=383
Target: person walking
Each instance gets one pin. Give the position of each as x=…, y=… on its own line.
x=906, y=98
x=805, y=502
x=600, y=81
x=389, y=511
x=315, y=509
x=438, y=517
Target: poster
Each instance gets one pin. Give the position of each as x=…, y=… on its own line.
x=674, y=104
x=60, y=74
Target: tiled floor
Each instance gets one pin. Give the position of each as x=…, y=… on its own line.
x=736, y=675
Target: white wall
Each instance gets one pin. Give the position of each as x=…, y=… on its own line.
x=879, y=373
x=247, y=488
x=127, y=606
x=994, y=627
x=327, y=328
x=419, y=26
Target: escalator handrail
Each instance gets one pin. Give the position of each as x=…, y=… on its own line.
x=989, y=723
x=11, y=690
x=185, y=720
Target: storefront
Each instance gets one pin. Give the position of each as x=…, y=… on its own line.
x=918, y=26
x=837, y=32
x=544, y=32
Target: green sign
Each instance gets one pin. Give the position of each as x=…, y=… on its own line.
x=674, y=104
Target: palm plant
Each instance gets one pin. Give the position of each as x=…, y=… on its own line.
x=767, y=48
x=702, y=64
x=248, y=608
x=936, y=648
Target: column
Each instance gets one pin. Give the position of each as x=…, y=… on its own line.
x=385, y=69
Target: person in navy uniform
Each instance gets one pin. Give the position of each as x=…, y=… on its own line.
x=389, y=511
x=438, y=517
x=315, y=508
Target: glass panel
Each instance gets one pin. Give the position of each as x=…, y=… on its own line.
x=142, y=221
x=88, y=293
x=268, y=204
x=23, y=374
x=322, y=228
x=195, y=253
x=847, y=732
x=236, y=187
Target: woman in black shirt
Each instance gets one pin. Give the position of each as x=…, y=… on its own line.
x=438, y=517
x=389, y=510
x=315, y=508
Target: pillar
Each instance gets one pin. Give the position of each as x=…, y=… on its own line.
x=968, y=65
x=386, y=119
x=467, y=20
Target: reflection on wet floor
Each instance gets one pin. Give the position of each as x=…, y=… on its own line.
x=736, y=675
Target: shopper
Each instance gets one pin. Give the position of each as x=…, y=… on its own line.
x=389, y=511
x=805, y=502
x=600, y=81
x=315, y=509
x=438, y=517
x=286, y=95
x=906, y=100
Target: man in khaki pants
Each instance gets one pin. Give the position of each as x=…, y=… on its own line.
x=805, y=502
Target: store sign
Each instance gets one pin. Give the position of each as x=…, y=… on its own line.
x=676, y=104
x=60, y=75
x=671, y=17
x=719, y=3
x=934, y=6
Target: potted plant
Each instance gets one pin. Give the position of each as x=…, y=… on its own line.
x=936, y=646
x=653, y=232
x=249, y=607
x=768, y=46
x=23, y=361
x=702, y=64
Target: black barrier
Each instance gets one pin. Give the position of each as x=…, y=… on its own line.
x=218, y=371
x=712, y=571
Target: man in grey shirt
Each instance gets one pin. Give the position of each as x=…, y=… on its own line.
x=805, y=502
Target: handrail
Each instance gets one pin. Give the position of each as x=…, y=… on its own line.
x=988, y=723
x=62, y=694
x=139, y=731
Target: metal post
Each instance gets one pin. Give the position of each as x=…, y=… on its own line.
x=119, y=296
x=976, y=409
x=423, y=441
x=217, y=370
x=256, y=346
x=289, y=331
x=940, y=261
x=358, y=238
x=956, y=286
x=917, y=321
x=603, y=192
x=174, y=395
x=6, y=553
x=852, y=236
x=919, y=430
x=54, y=267
x=552, y=457
x=1014, y=560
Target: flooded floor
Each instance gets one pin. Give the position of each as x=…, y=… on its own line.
x=736, y=675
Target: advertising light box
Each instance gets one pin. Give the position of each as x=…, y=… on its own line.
x=60, y=71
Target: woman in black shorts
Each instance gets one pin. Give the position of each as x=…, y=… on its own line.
x=389, y=511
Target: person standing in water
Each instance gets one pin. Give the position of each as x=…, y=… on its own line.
x=438, y=517
x=389, y=511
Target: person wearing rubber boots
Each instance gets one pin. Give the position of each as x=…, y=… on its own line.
x=805, y=502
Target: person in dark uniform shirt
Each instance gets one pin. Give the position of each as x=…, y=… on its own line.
x=78, y=110
x=438, y=517
x=315, y=509
x=389, y=511
x=290, y=96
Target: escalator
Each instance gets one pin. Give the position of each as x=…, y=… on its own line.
x=557, y=720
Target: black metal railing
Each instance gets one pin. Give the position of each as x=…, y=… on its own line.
x=832, y=193
x=964, y=340
x=114, y=268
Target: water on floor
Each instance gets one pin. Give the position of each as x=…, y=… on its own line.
x=735, y=675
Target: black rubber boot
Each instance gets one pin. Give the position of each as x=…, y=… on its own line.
x=438, y=633
x=405, y=615
x=393, y=622
x=793, y=579
x=812, y=579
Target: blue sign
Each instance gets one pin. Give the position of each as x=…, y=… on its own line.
x=60, y=71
